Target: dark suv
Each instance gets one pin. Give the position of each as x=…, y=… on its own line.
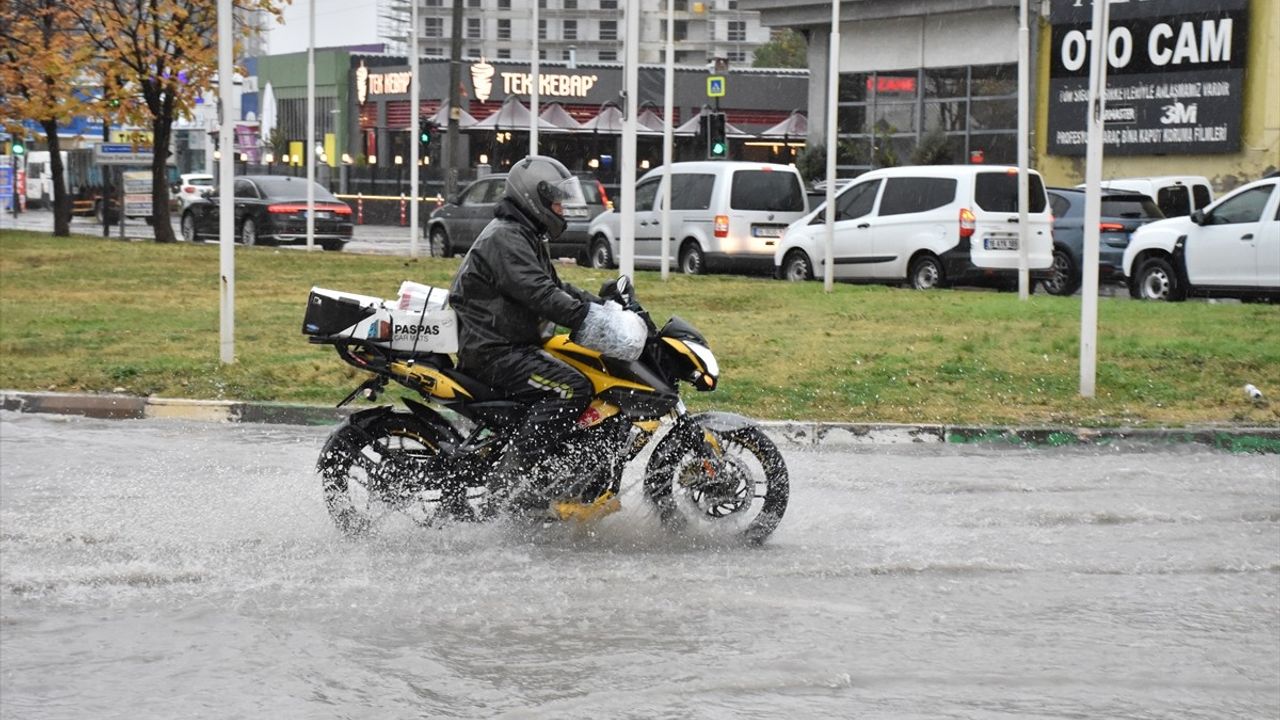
x=454, y=226
x=1122, y=213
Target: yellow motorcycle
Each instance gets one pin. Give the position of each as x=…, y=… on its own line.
x=716, y=473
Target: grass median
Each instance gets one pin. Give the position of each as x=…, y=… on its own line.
x=83, y=314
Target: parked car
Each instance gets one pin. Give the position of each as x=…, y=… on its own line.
x=929, y=226
x=272, y=209
x=189, y=188
x=1229, y=249
x=724, y=214
x=1122, y=213
x=454, y=226
x=1175, y=195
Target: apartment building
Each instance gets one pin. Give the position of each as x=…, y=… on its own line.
x=573, y=31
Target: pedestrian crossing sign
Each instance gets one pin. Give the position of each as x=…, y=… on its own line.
x=715, y=86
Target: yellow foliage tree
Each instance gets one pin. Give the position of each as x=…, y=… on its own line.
x=154, y=59
x=43, y=57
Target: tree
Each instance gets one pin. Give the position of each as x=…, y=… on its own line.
x=786, y=49
x=155, y=58
x=43, y=55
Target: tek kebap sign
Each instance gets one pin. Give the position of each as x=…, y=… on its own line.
x=1174, y=76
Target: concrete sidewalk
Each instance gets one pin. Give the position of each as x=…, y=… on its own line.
x=794, y=433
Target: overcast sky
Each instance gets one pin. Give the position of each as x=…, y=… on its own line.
x=338, y=22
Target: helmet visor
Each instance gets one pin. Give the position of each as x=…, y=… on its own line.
x=568, y=191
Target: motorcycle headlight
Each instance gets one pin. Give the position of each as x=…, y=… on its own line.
x=704, y=355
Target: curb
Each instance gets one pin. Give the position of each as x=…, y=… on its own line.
x=795, y=433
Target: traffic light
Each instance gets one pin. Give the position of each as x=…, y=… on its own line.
x=717, y=143
x=18, y=148
x=426, y=130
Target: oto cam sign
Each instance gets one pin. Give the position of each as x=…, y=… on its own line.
x=1174, y=76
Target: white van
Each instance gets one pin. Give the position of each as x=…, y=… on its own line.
x=723, y=214
x=1175, y=195
x=929, y=226
x=40, y=178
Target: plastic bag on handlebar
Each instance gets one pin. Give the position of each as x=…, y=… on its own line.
x=612, y=331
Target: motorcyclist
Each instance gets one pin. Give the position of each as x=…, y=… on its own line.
x=504, y=293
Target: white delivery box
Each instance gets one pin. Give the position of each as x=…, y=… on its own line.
x=418, y=322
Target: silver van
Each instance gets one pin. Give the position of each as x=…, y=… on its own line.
x=724, y=215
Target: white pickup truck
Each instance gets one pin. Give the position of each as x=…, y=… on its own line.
x=1229, y=249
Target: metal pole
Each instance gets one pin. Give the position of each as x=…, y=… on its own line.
x=311, y=128
x=453, y=137
x=226, y=196
x=627, y=261
x=1093, y=202
x=533, y=92
x=415, y=114
x=833, y=77
x=1024, y=181
x=668, y=112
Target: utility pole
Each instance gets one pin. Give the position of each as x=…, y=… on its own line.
x=455, y=108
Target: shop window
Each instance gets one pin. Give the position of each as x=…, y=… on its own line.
x=946, y=82
x=852, y=87
x=895, y=117
x=993, y=114
x=893, y=86
x=737, y=31
x=608, y=29
x=946, y=115
x=570, y=30
x=994, y=80
x=851, y=119
x=994, y=148
x=504, y=29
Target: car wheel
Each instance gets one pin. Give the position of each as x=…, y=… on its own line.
x=440, y=243
x=926, y=273
x=332, y=245
x=692, y=261
x=796, y=267
x=601, y=255
x=249, y=232
x=188, y=227
x=1156, y=281
x=1064, y=278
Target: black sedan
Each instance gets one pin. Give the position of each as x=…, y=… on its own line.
x=1122, y=213
x=272, y=209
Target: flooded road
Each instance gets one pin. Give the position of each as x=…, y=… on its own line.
x=163, y=569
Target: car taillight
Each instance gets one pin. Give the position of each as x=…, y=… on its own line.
x=722, y=226
x=341, y=209
x=188, y=188
x=284, y=209
x=604, y=196
x=967, y=221
x=1111, y=227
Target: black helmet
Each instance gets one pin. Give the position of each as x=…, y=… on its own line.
x=535, y=183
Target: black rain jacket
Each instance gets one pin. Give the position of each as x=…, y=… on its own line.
x=507, y=286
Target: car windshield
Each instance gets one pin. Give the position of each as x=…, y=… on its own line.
x=287, y=188
x=769, y=190
x=1137, y=207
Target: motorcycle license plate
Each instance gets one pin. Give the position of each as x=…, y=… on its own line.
x=1000, y=243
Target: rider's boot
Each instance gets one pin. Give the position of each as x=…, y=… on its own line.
x=511, y=487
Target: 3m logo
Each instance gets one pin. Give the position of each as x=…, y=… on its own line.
x=1179, y=114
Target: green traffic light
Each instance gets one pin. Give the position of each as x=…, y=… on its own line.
x=717, y=149
x=19, y=148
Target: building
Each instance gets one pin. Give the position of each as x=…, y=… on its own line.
x=573, y=31
x=1192, y=85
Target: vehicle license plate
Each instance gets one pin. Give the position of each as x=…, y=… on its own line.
x=1000, y=243
x=575, y=212
x=769, y=231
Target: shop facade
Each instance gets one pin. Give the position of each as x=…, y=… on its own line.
x=1192, y=87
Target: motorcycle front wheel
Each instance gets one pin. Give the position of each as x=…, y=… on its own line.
x=387, y=466
x=730, y=482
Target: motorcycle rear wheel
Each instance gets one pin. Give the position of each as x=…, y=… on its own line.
x=741, y=490
x=383, y=469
